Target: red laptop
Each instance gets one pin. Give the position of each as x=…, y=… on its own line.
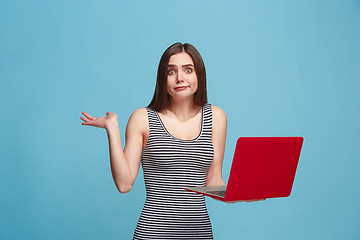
x=263, y=167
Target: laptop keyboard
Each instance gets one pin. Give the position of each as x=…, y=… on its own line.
x=218, y=193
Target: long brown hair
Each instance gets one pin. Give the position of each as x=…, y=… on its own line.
x=161, y=97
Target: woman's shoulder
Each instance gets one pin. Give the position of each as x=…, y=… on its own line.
x=140, y=112
x=139, y=117
x=219, y=119
x=218, y=112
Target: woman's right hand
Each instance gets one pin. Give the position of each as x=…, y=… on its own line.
x=101, y=122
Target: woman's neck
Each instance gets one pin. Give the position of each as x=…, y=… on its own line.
x=183, y=110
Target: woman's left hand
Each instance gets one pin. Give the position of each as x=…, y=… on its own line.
x=248, y=201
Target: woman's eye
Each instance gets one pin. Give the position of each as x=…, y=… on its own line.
x=171, y=72
x=188, y=70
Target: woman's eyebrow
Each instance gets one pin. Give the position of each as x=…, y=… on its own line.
x=186, y=65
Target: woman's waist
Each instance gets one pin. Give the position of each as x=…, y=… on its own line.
x=173, y=196
x=175, y=204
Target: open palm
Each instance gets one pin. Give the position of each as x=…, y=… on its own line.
x=101, y=122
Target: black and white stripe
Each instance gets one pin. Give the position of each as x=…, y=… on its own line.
x=169, y=165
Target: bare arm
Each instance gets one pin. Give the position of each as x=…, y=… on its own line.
x=214, y=175
x=124, y=163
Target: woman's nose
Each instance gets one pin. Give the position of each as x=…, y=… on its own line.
x=179, y=77
x=179, y=80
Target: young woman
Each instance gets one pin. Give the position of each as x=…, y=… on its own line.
x=179, y=139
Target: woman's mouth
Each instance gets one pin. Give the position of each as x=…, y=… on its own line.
x=181, y=88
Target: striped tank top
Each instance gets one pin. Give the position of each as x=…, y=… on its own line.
x=170, y=164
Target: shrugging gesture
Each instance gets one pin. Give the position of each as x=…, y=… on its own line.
x=101, y=122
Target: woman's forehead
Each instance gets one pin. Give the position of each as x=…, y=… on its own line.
x=182, y=58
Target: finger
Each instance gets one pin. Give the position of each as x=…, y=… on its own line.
x=255, y=200
x=85, y=119
x=88, y=115
x=87, y=123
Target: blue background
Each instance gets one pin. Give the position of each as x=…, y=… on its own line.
x=277, y=68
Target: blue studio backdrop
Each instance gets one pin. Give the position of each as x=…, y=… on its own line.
x=277, y=68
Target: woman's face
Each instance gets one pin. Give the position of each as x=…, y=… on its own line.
x=182, y=80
